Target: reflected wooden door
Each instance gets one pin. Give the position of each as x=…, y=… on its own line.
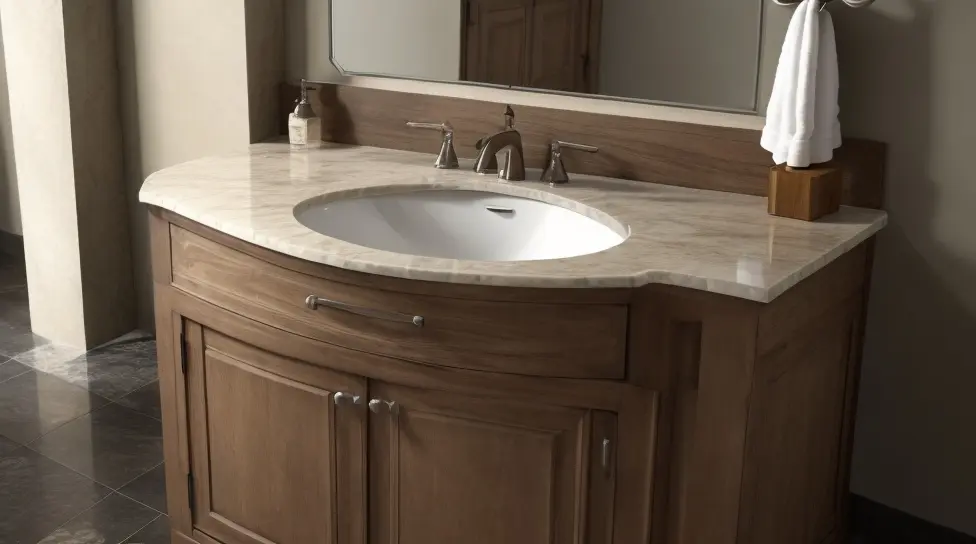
x=543, y=44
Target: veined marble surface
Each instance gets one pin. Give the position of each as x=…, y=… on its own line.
x=719, y=242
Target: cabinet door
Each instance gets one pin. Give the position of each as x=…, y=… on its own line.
x=450, y=468
x=275, y=457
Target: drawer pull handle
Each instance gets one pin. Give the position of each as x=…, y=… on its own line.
x=313, y=302
x=376, y=404
x=605, y=457
x=341, y=395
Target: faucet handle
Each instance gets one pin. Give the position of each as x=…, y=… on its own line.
x=555, y=172
x=447, y=158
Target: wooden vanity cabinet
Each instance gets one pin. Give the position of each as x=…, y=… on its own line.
x=728, y=422
x=445, y=467
x=273, y=456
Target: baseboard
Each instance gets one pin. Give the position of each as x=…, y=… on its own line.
x=875, y=523
x=11, y=244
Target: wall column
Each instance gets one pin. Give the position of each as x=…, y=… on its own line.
x=64, y=101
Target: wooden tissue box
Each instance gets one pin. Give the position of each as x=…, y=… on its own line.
x=806, y=194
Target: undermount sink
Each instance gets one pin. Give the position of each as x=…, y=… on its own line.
x=458, y=224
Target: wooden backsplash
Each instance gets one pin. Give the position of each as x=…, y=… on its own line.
x=699, y=156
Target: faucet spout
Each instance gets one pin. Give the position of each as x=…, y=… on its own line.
x=513, y=168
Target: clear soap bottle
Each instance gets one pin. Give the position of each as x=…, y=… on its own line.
x=304, y=128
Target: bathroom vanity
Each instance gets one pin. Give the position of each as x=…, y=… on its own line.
x=693, y=382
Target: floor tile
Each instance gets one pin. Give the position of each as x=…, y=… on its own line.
x=37, y=495
x=156, y=532
x=112, y=445
x=12, y=275
x=149, y=489
x=111, y=371
x=111, y=521
x=7, y=446
x=35, y=403
x=11, y=369
x=130, y=337
x=144, y=400
x=15, y=332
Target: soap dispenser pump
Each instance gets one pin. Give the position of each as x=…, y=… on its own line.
x=304, y=128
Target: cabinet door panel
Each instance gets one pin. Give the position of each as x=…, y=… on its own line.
x=453, y=468
x=274, y=459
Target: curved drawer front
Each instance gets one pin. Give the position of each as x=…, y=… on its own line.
x=557, y=340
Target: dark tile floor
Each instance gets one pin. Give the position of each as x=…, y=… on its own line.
x=81, y=456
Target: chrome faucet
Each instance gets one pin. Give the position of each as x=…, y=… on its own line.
x=509, y=140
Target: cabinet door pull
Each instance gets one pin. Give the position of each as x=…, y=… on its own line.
x=605, y=456
x=313, y=302
x=342, y=395
x=376, y=405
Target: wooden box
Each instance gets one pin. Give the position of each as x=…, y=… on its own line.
x=806, y=194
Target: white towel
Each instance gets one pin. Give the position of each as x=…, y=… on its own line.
x=802, y=125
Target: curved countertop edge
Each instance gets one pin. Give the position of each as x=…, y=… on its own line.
x=162, y=189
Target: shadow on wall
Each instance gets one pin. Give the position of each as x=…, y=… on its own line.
x=908, y=80
x=126, y=48
x=9, y=196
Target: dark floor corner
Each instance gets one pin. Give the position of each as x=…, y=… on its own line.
x=81, y=457
x=875, y=523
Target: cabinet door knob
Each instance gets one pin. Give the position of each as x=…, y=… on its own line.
x=341, y=396
x=376, y=405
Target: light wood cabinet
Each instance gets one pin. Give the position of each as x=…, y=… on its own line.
x=454, y=468
x=274, y=456
x=657, y=415
x=277, y=456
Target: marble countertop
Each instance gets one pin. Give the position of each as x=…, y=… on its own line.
x=718, y=242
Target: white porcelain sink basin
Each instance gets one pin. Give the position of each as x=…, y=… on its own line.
x=455, y=224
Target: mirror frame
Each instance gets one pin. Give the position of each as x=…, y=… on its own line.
x=761, y=5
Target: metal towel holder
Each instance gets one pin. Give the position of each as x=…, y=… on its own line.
x=823, y=3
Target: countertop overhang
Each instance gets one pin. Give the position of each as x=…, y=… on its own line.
x=707, y=240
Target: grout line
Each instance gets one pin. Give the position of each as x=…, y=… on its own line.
x=72, y=518
x=126, y=539
x=154, y=467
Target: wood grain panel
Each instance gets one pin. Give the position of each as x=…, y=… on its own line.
x=795, y=438
x=451, y=468
x=683, y=154
x=268, y=444
x=584, y=341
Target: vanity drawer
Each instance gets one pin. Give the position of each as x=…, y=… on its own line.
x=534, y=339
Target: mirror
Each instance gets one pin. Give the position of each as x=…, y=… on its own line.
x=703, y=53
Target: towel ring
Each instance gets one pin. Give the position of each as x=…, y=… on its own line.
x=823, y=3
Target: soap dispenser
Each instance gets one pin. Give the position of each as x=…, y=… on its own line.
x=304, y=128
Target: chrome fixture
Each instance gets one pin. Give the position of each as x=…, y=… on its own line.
x=376, y=404
x=500, y=209
x=509, y=140
x=555, y=172
x=447, y=158
x=313, y=302
x=339, y=397
x=823, y=3
x=605, y=456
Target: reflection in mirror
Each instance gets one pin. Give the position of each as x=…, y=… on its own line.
x=700, y=52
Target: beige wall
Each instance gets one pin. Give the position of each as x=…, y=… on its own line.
x=62, y=87
x=184, y=96
x=9, y=197
x=416, y=38
x=702, y=52
x=909, y=79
